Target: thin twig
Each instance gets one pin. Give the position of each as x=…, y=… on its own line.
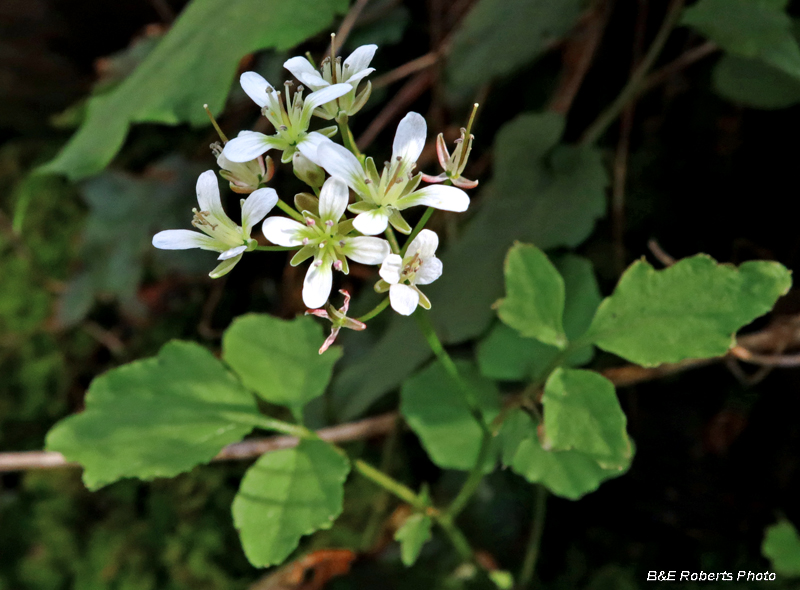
x=681, y=62
x=247, y=449
x=765, y=360
x=349, y=21
x=165, y=12
x=415, y=65
x=660, y=254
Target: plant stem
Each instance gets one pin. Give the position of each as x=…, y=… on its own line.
x=381, y=501
x=535, y=540
x=390, y=484
x=457, y=538
x=419, y=227
x=375, y=311
x=276, y=248
x=392, y=239
x=286, y=208
x=347, y=136
x=473, y=479
x=634, y=85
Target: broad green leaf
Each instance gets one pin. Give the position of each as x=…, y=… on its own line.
x=288, y=494
x=542, y=194
x=569, y=474
x=193, y=64
x=754, y=83
x=504, y=354
x=415, y=532
x=782, y=547
x=434, y=406
x=582, y=413
x=279, y=359
x=534, y=301
x=690, y=310
x=156, y=417
x=748, y=28
x=499, y=36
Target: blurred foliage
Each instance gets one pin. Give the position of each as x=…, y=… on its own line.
x=82, y=291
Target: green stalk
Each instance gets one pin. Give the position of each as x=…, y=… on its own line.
x=392, y=239
x=347, y=136
x=535, y=540
x=290, y=211
x=390, y=484
x=375, y=311
x=473, y=479
x=419, y=227
x=276, y=248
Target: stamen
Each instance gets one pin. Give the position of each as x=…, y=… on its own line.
x=305, y=241
x=329, y=223
x=310, y=222
x=322, y=244
x=283, y=128
x=318, y=263
x=337, y=265
x=342, y=243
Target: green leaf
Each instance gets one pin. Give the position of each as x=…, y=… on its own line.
x=504, y=354
x=546, y=195
x=278, y=359
x=156, y=417
x=782, y=547
x=569, y=474
x=534, y=301
x=499, y=36
x=748, y=28
x=415, y=532
x=690, y=310
x=433, y=404
x=285, y=495
x=582, y=413
x=194, y=64
x=754, y=83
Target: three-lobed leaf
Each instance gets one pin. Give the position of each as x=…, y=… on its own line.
x=691, y=309
x=288, y=494
x=582, y=413
x=434, y=405
x=156, y=417
x=415, y=532
x=782, y=547
x=569, y=474
x=278, y=359
x=534, y=301
x=193, y=64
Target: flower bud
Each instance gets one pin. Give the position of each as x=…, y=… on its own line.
x=308, y=171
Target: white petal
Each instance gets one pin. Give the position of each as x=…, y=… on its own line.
x=410, y=138
x=283, y=231
x=309, y=145
x=317, y=285
x=208, y=195
x=224, y=267
x=359, y=59
x=302, y=69
x=248, y=146
x=403, y=298
x=340, y=162
x=256, y=87
x=183, y=239
x=238, y=250
x=325, y=95
x=430, y=270
x=356, y=78
x=447, y=198
x=390, y=269
x=256, y=206
x=424, y=244
x=372, y=222
x=367, y=250
x=333, y=199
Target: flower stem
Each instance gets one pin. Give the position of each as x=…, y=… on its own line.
x=390, y=484
x=289, y=211
x=276, y=248
x=418, y=228
x=375, y=310
x=347, y=136
x=634, y=85
x=473, y=479
x=535, y=540
x=457, y=538
x=392, y=239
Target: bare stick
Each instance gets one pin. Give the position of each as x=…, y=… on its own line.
x=415, y=65
x=349, y=22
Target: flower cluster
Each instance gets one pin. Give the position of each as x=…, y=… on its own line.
x=341, y=179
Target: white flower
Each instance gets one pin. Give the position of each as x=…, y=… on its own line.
x=290, y=120
x=453, y=165
x=221, y=234
x=325, y=237
x=419, y=266
x=243, y=177
x=384, y=196
x=354, y=69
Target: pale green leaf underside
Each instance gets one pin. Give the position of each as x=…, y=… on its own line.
x=499, y=36
x=582, y=413
x=690, y=310
x=569, y=474
x=156, y=417
x=754, y=83
x=288, y=494
x=415, y=532
x=194, y=64
x=279, y=359
x=434, y=407
x=534, y=301
x=782, y=547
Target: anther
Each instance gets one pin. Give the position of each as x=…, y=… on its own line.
x=310, y=222
x=399, y=158
x=322, y=245
x=283, y=128
x=329, y=223
x=270, y=90
x=305, y=241
x=288, y=83
x=318, y=263
x=367, y=181
x=342, y=243
x=337, y=265
x=300, y=88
